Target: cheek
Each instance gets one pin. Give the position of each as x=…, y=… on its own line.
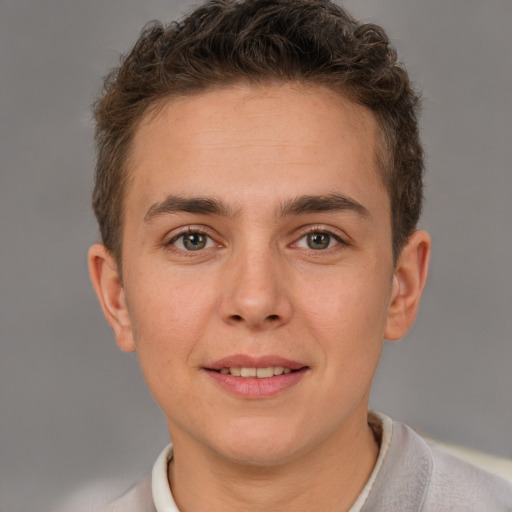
x=169, y=319
x=169, y=313
x=347, y=311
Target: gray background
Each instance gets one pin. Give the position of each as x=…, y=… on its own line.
x=73, y=409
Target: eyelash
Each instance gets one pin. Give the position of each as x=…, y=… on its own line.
x=189, y=230
x=201, y=231
x=322, y=230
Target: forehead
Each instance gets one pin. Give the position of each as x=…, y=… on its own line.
x=263, y=141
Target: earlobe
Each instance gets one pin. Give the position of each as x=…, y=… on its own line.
x=109, y=289
x=408, y=282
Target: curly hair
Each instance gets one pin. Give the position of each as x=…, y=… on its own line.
x=224, y=42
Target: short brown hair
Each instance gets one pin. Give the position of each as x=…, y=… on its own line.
x=227, y=41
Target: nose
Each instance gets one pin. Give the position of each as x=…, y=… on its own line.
x=256, y=292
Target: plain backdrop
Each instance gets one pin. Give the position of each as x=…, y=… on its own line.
x=73, y=408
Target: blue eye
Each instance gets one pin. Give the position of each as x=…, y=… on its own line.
x=192, y=241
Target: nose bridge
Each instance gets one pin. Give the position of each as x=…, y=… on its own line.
x=255, y=292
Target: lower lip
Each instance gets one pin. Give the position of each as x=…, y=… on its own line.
x=257, y=388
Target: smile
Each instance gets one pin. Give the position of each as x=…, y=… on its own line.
x=260, y=377
x=258, y=373
x=256, y=377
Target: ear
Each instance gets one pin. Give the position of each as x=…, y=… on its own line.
x=408, y=282
x=109, y=289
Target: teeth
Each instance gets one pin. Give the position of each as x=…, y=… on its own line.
x=260, y=373
x=265, y=373
x=248, y=372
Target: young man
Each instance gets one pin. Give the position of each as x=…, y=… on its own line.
x=258, y=186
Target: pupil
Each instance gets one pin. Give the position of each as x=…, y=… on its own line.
x=194, y=241
x=318, y=241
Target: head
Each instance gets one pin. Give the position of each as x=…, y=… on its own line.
x=259, y=179
x=309, y=42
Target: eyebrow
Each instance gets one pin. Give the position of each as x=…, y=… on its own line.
x=198, y=205
x=296, y=206
x=322, y=203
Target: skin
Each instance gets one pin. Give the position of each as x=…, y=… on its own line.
x=258, y=288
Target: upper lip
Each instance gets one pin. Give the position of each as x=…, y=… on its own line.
x=246, y=361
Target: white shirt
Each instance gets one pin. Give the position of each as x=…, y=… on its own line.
x=409, y=476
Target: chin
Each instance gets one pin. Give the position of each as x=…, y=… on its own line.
x=260, y=445
x=258, y=456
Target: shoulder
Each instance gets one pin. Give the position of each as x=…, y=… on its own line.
x=110, y=495
x=462, y=486
x=150, y=490
x=417, y=477
x=452, y=484
x=138, y=498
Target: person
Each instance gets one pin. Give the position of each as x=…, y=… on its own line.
x=258, y=189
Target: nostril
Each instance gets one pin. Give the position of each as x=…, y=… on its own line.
x=237, y=318
x=273, y=317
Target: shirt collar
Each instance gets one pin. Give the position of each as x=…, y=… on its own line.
x=387, y=430
x=162, y=496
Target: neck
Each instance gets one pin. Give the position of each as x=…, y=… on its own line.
x=328, y=478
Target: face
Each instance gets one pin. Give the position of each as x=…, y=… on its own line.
x=258, y=278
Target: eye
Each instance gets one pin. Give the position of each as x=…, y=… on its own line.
x=318, y=240
x=192, y=241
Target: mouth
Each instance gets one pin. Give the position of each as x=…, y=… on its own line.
x=257, y=373
x=261, y=377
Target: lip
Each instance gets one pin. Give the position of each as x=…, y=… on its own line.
x=246, y=361
x=254, y=388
